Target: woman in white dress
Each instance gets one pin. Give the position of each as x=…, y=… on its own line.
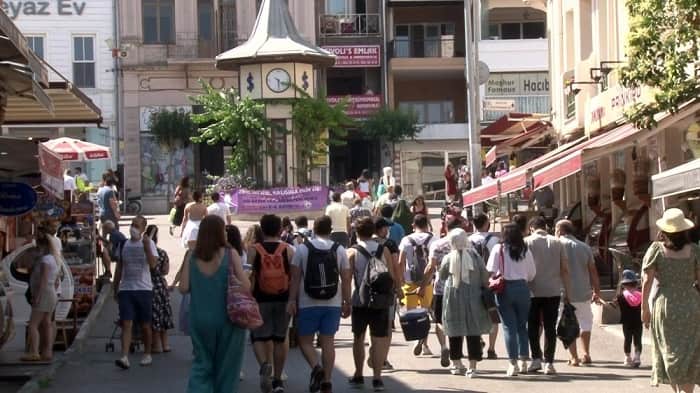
x=194, y=213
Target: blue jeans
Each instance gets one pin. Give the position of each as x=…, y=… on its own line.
x=514, y=307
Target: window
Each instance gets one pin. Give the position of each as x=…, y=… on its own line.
x=339, y=7
x=430, y=112
x=84, y=61
x=227, y=25
x=205, y=18
x=424, y=40
x=36, y=44
x=158, y=20
x=517, y=30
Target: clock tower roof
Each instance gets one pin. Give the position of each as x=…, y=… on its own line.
x=274, y=39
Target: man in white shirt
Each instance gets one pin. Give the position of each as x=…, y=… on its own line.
x=134, y=289
x=320, y=300
x=349, y=196
x=483, y=243
x=340, y=217
x=414, y=254
x=219, y=208
x=68, y=181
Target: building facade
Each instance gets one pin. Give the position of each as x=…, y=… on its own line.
x=170, y=49
x=74, y=37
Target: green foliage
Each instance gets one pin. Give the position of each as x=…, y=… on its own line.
x=171, y=128
x=391, y=125
x=663, y=52
x=232, y=120
x=312, y=116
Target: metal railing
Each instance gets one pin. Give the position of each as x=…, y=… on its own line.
x=190, y=46
x=349, y=25
x=434, y=47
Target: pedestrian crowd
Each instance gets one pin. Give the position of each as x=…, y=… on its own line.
x=371, y=261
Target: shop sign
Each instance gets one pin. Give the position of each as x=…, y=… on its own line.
x=499, y=105
x=518, y=84
x=359, y=106
x=296, y=199
x=43, y=8
x=16, y=199
x=355, y=56
x=51, y=167
x=609, y=106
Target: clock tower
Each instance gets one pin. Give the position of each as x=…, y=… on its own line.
x=270, y=64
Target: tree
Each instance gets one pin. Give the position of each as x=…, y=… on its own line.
x=392, y=125
x=171, y=128
x=663, y=51
x=237, y=121
x=317, y=125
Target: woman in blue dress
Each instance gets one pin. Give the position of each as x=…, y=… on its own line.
x=217, y=343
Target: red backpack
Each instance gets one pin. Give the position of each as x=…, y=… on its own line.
x=273, y=278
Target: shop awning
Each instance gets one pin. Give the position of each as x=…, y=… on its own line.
x=70, y=149
x=14, y=48
x=519, y=141
x=683, y=178
x=510, y=126
x=481, y=194
x=69, y=104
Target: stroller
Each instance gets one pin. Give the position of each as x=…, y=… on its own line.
x=136, y=337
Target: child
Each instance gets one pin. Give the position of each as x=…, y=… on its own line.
x=629, y=299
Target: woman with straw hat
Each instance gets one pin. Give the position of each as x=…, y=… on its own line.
x=675, y=263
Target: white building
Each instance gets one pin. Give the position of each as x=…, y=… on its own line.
x=73, y=37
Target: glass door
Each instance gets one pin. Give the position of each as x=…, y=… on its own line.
x=432, y=41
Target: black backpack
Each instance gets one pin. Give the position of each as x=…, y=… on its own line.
x=420, y=259
x=482, y=247
x=376, y=291
x=322, y=273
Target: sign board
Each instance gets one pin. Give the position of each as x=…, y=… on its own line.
x=51, y=168
x=16, y=198
x=297, y=199
x=609, y=106
x=518, y=84
x=14, y=8
x=355, y=56
x=499, y=105
x=359, y=106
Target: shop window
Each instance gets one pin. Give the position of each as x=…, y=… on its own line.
x=423, y=172
x=430, y=112
x=36, y=44
x=158, y=21
x=84, y=61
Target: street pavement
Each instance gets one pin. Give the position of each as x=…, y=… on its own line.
x=94, y=371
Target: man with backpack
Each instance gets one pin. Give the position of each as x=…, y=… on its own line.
x=413, y=259
x=271, y=276
x=396, y=231
x=373, y=296
x=303, y=232
x=483, y=243
x=319, y=295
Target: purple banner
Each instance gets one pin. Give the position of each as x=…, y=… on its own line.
x=276, y=200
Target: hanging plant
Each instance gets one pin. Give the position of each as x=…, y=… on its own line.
x=172, y=128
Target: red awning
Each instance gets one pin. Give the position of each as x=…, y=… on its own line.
x=70, y=149
x=510, y=126
x=480, y=194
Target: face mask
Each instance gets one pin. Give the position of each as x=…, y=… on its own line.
x=135, y=232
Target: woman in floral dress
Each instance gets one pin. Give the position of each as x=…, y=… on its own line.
x=674, y=316
x=162, y=312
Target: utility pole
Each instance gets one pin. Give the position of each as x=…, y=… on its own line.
x=471, y=35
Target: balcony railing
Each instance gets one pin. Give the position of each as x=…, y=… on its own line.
x=431, y=48
x=350, y=25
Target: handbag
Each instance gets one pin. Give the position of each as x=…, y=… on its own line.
x=497, y=283
x=241, y=306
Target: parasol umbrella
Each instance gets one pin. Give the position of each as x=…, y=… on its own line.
x=71, y=150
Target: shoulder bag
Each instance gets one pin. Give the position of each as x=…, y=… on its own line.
x=497, y=283
x=241, y=306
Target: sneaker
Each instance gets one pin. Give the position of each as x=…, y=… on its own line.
x=123, y=363
x=536, y=365
x=147, y=360
x=636, y=362
x=628, y=361
x=266, y=378
x=277, y=386
x=315, y=379
x=418, y=348
x=522, y=366
x=284, y=376
x=549, y=369
x=512, y=371
x=378, y=385
x=387, y=366
x=326, y=387
x=357, y=382
x=445, y=357
x=426, y=351
x=491, y=354
x=471, y=373
x=457, y=368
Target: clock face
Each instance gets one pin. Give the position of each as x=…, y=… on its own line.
x=278, y=80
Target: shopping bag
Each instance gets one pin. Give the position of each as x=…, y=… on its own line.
x=568, y=329
x=241, y=306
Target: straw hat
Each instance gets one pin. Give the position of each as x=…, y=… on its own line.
x=674, y=221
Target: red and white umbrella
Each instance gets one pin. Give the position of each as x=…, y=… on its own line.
x=70, y=149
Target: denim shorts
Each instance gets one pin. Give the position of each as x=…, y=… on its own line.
x=136, y=306
x=324, y=320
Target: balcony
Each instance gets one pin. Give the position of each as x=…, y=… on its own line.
x=422, y=58
x=444, y=131
x=350, y=25
x=515, y=55
x=427, y=48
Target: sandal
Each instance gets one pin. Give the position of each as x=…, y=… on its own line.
x=586, y=359
x=30, y=358
x=574, y=363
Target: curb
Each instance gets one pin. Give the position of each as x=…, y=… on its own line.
x=42, y=380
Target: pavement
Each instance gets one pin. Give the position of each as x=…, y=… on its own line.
x=93, y=370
